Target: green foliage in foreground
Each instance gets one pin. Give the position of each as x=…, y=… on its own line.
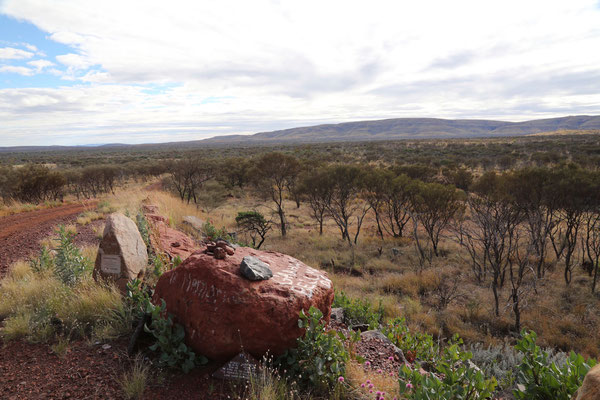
x=173, y=352
x=359, y=311
x=68, y=264
x=414, y=345
x=540, y=379
x=455, y=378
x=320, y=357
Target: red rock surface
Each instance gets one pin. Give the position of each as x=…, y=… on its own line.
x=166, y=239
x=224, y=313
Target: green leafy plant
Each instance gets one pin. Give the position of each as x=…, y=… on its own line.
x=139, y=298
x=320, y=357
x=213, y=233
x=414, y=345
x=540, y=379
x=143, y=227
x=44, y=262
x=69, y=263
x=359, y=311
x=173, y=352
x=455, y=378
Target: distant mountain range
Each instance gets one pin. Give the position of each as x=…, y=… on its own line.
x=414, y=128
x=386, y=129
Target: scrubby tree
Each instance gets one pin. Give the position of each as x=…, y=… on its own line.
x=344, y=204
x=272, y=176
x=189, y=175
x=574, y=194
x=490, y=233
x=316, y=189
x=255, y=225
x=433, y=206
x=235, y=172
x=35, y=183
x=532, y=189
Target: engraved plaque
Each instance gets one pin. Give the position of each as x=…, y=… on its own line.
x=241, y=367
x=111, y=264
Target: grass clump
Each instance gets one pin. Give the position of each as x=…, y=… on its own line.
x=55, y=296
x=134, y=381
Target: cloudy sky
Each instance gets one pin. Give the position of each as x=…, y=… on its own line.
x=139, y=71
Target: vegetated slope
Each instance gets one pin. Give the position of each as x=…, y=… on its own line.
x=414, y=128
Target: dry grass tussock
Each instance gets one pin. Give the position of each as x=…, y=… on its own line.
x=39, y=307
x=16, y=207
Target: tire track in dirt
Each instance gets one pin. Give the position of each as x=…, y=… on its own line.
x=21, y=233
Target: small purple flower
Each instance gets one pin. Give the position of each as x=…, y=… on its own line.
x=371, y=386
x=341, y=379
x=409, y=386
x=362, y=385
x=368, y=381
x=391, y=358
x=367, y=363
x=379, y=371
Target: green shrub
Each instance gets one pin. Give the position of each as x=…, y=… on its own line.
x=455, y=378
x=69, y=263
x=320, y=357
x=143, y=227
x=358, y=311
x=212, y=233
x=540, y=379
x=416, y=345
x=44, y=262
x=174, y=353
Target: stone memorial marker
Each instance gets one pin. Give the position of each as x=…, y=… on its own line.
x=241, y=367
x=122, y=255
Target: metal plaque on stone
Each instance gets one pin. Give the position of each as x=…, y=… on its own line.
x=240, y=367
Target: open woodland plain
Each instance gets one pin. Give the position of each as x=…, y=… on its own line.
x=477, y=237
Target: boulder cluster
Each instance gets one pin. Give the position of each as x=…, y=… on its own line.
x=229, y=299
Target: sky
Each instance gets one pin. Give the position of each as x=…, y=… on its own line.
x=75, y=72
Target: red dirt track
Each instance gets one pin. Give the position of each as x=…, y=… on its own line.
x=21, y=233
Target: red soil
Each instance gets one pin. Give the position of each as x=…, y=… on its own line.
x=20, y=234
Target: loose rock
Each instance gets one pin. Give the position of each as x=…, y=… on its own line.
x=378, y=335
x=254, y=269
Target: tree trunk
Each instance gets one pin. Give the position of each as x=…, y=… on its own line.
x=282, y=220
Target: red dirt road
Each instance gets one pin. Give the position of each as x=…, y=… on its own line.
x=21, y=233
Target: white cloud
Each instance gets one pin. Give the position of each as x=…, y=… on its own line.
x=17, y=70
x=10, y=53
x=284, y=63
x=40, y=64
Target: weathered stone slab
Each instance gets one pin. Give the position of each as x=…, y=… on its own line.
x=122, y=254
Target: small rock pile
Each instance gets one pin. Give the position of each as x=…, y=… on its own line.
x=219, y=249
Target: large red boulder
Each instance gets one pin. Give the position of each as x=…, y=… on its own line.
x=224, y=313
